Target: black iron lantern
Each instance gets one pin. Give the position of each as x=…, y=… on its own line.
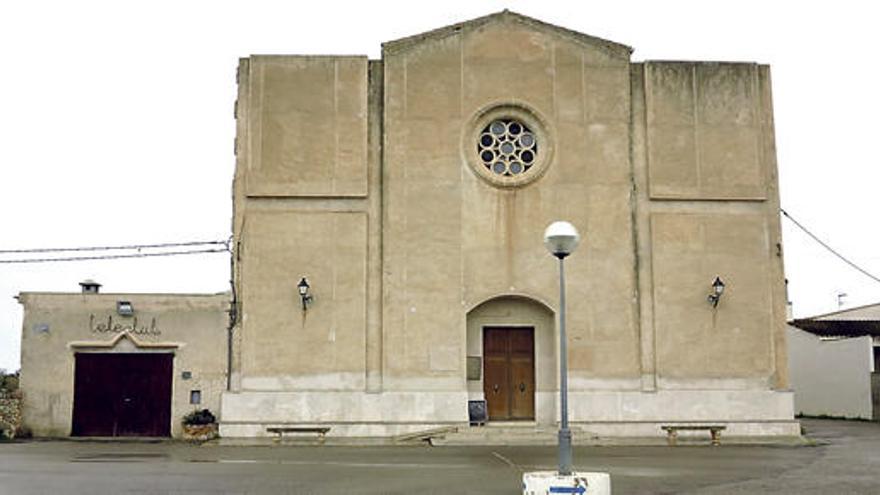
x=303, y=287
x=717, y=290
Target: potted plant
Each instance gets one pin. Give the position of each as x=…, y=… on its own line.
x=199, y=426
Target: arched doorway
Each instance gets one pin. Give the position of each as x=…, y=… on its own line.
x=512, y=336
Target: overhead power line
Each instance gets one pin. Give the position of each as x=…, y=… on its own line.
x=117, y=256
x=829, y=248
x=112, y=248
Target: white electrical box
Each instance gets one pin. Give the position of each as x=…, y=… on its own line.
x=552, y=483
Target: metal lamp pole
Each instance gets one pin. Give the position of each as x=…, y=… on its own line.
x=561, y=238
x=564, y=432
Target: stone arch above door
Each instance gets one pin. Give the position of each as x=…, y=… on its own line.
x=511, y=311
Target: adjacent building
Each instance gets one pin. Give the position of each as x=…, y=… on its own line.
x=95, y=364
x=834, y=363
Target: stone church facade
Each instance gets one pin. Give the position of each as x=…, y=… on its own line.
x=411, y=194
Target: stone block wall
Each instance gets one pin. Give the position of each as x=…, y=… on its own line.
x=10, y=414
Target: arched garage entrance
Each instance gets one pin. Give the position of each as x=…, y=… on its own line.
x=512, y=337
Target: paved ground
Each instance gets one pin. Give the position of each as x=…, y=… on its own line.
x=846, y=462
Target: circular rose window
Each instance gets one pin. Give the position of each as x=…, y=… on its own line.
x=508, y=146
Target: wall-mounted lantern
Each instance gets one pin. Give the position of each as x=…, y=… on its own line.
x=303, y=287
x=124, y=308
x=717, y=290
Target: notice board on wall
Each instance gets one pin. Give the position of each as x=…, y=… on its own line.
x=477, y=412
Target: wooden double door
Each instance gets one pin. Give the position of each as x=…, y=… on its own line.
x=122, y=395
x=509, y=373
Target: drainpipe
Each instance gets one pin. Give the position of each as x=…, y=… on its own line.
x=233, y=315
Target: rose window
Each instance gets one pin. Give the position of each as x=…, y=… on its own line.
x=507, y=147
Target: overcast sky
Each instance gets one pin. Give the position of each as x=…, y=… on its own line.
x=116, y=122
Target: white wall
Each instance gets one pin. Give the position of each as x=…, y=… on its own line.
x=830, y=377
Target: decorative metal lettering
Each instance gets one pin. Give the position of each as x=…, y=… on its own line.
x=110, y=326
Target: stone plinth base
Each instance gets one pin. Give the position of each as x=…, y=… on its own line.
x=603, y=413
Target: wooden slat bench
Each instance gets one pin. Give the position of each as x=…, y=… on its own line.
x=279, y=431
x=672, y=432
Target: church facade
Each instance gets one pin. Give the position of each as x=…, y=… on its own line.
x=388, y=220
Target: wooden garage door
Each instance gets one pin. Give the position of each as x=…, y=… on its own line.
x=509, y=373
x=122, y=395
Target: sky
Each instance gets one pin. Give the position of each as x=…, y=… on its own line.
x=117, y=128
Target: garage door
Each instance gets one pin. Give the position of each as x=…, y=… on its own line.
x=122, y=395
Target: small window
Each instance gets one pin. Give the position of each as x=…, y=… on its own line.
x=195, y=396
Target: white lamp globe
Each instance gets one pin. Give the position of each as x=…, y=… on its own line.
x=561, y=239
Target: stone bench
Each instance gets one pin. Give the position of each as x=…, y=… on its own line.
x=672, y=432
x=279, y=431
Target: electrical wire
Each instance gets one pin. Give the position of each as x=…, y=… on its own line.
x=113, y=248
x=226, y=249
x=829, y=248
x=116, y=256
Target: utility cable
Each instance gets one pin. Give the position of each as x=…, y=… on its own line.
x=113, y=248
x=829, y=248
x=117, y=256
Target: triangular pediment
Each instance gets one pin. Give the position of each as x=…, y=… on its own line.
x=123, y=342
x=612, y=48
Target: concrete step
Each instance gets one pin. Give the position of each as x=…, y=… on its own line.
x=509, y=435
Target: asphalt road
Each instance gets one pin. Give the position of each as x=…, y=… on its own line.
x=846, y=461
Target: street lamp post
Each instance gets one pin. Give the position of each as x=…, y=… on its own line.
x=561, y=239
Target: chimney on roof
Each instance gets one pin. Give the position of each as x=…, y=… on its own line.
x=89, y=286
